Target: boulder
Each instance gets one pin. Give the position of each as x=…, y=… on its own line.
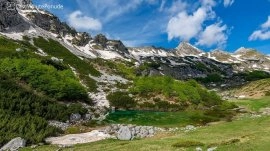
x=88, y=116
x=143, y=132
x=124, y=133
x=212, y=149
x=74, y=117
x=63, y=126
x=14, y=144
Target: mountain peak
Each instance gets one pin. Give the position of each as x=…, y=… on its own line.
x=243, y=50
x=185, y=49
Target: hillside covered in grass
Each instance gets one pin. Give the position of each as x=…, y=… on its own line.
x=166, y=92
x=254, y=89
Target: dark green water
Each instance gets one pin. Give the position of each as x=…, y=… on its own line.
x=151, y=118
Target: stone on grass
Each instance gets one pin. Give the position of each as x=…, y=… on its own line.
x=14, y=144
x=124, y=133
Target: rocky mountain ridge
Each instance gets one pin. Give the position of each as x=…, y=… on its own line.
x=184, y=62
x=99, y=46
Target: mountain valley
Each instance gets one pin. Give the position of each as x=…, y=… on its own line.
x=60, y=84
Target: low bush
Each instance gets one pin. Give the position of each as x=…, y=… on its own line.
x=214, y=77
x=72, y=130
x=24, y=112
x=188, y=144
x=189, y=91
x=32, y=128
x=121, y=100
x=62, y=85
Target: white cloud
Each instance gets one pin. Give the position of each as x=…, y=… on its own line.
x=259, y=35
x=186, y=26
x=266, y=24
x=177, y=6
x=208, y=3
x=263, y=33
x=215, y=34
x=81, y=22
x=228, y=3
x=108, y=10
x=162, y=4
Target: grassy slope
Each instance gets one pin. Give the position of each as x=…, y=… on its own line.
x=83, y=67
x=252, y=134
x=254, y=104
x=254, y=89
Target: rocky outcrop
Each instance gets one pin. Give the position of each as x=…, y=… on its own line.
x=185, y=67
x=9, y=16
x=63, y=126
x=185, y=49
x=14, y=144
x=129, y=132
x=50, y=23
x=75, y=117
x=101, y=39
x=81, y=39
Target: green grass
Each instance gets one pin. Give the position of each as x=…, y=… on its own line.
x=7, y=46
x=246, y=135
x=8, y=49
x=254, y=104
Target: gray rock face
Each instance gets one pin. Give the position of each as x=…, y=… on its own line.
x=186, y=49
x=9, y=16
x=24, y=2
x=101, y=39
x=14, y=144
x=81, y=39
x=75, y=117
x=118, y=46
x=50, y=23
x=124, y=133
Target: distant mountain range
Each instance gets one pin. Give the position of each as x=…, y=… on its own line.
x=184, y=62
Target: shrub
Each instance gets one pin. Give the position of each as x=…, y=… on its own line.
x=61, y=85
x=214, y=77
x=14, y=98
x=189, y=91
x=187, y=144
x=267, y=93
x=121, y=100
x=32, y=128
x=73, y=130
x=256, y=75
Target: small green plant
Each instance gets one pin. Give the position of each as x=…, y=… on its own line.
x=188, y=144
x=228, y=142
x=73, y=130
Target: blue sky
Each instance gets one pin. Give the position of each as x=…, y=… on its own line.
x=207, y=24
